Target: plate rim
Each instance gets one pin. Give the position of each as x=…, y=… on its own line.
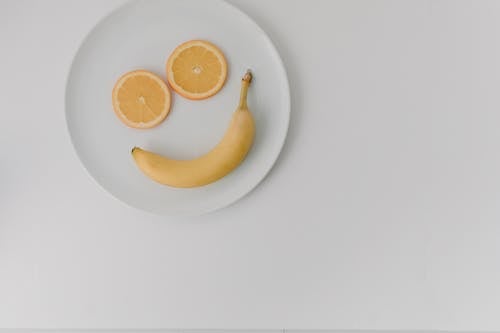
x=214, y=208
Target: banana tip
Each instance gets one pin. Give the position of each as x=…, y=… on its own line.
x=248, y=76
x=133, y=149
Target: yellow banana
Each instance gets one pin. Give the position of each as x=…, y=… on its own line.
x=215, y=164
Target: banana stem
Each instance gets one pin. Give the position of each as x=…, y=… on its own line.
x=245, y=83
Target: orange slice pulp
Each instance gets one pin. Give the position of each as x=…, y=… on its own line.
x=141, y=99
x=196, y=69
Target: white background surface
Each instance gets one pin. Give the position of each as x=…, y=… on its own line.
x=382, y=212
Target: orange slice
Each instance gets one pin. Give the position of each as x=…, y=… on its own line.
x=141, y=99
x=196, y=69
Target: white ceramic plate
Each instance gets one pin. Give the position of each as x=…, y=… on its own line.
x=142, y=34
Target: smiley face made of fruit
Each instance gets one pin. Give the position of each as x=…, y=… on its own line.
x=195, y=70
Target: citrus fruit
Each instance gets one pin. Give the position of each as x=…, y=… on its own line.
x=196, y=69
x=141, y=99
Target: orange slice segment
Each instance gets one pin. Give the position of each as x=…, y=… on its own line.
x=196, y=69
x=141, y=99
